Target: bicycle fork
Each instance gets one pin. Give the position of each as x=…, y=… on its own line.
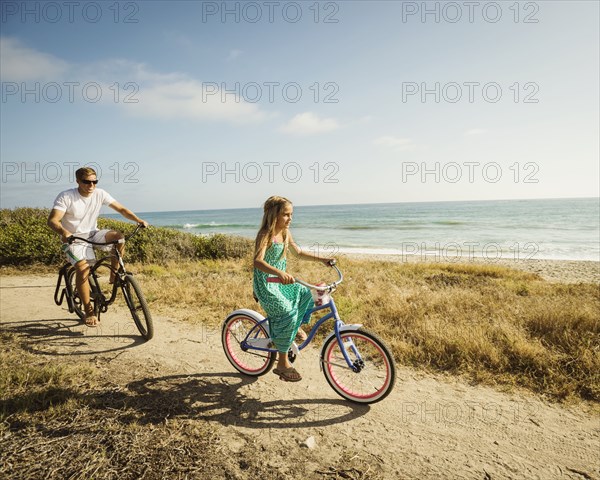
x=346, y=346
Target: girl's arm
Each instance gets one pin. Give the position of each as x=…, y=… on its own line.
x=259, y=262
x=307, y=255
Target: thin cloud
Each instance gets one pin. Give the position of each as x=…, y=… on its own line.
x=19, y=63
x=395, y=143
x=234, y=54
x=308, y=123
x=475, y=131
x=134, y=87
x=192, y=99
x=178, y=39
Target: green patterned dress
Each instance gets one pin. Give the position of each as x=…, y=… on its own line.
x=285, y=304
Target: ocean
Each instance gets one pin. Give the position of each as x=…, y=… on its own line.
x=560, y=229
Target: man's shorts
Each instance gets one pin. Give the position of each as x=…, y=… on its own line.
x=79, y=250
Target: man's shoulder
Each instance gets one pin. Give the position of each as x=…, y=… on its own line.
x=105, y=197
x=102, y=194
x=67, y=194
x=70, y=191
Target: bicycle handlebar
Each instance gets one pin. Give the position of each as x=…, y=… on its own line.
x=72, y=238
x=321, y=288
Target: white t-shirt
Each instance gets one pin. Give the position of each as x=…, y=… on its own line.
x=81, y=213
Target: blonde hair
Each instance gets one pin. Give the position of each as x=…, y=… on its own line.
x=84, y=172
x=271, y=210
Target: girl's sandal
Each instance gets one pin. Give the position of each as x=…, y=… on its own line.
x=288, y=374
x=301, y=336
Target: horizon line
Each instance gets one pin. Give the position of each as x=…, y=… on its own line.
x=371, y=203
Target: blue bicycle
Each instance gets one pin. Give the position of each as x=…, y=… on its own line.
x=356, y=363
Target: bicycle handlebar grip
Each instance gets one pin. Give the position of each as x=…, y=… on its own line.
x=273, y=280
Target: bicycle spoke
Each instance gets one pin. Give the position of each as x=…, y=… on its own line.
x=373, y=377
x=246, y=360
x=137, y=306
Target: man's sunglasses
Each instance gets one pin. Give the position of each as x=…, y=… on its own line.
x=89, y=182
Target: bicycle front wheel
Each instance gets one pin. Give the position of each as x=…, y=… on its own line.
x=373, y=374
x=246, y=360
x=135, y=300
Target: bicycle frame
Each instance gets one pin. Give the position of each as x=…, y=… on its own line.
x=122, y=279
x=338, y=326
x=95, y=292
x=66, y=292
x=95, y=284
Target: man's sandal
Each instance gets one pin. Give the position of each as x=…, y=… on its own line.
x=288, y=374
x=91, y=320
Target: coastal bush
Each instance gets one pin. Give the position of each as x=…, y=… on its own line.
x=25, y=239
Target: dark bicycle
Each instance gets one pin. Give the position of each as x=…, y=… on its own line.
x=101, y=300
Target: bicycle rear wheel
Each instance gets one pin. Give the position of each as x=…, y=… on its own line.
x=248, y=361
x=374, y=373
x=136, y=302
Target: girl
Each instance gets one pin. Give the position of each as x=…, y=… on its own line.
x=285, y=302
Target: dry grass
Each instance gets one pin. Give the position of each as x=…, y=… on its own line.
x=28, y=384
x=493, y=324
x=61, y=419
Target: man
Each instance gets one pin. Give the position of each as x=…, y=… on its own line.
x=75, y=212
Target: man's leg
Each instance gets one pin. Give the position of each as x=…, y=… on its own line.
x=82, y=272
x=111, y=237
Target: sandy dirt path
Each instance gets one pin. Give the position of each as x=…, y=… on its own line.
x=429, y=427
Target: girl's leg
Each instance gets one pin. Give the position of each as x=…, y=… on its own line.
x=285, y=370
x=283, y=361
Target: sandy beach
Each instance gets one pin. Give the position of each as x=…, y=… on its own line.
x=565, y=271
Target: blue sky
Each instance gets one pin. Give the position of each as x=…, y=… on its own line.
x=205, y=105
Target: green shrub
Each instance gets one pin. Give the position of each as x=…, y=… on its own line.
x=26, y=239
